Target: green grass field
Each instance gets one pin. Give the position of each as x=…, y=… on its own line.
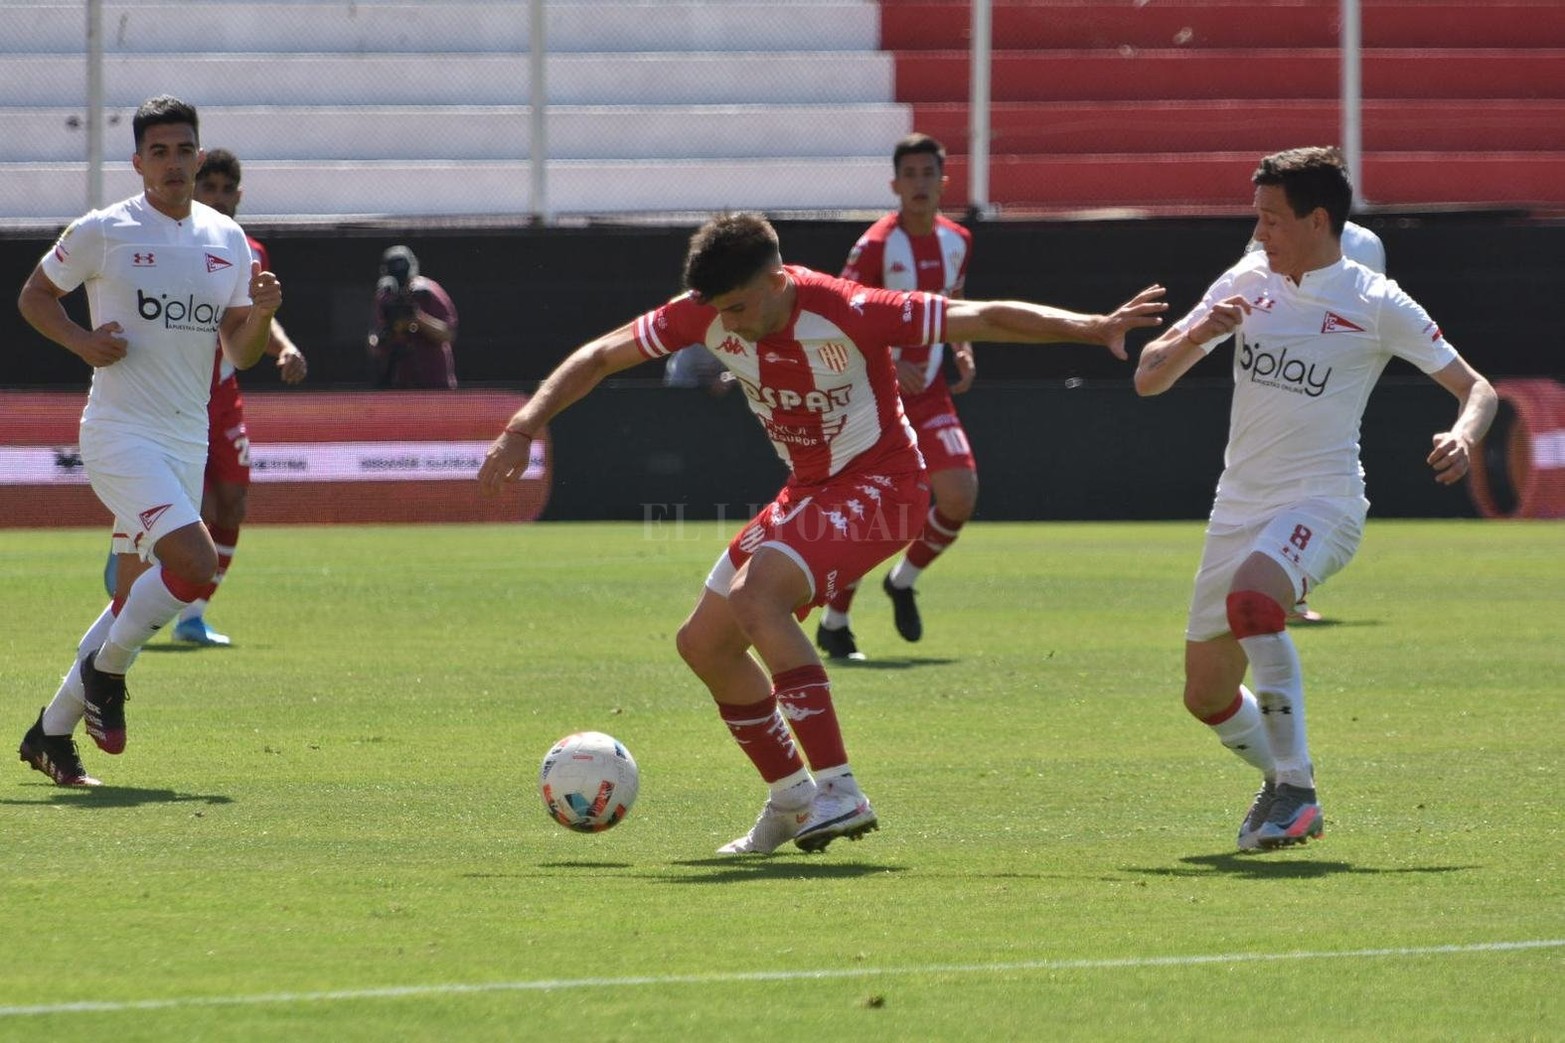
x=331, y=831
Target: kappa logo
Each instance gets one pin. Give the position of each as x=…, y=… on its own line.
x=1334, y=323
x=1435, y=335
x=731, y=345
x=1263, y=303
x=214, y=263
x=144, y=260
x=150, y=516
x=897, y=268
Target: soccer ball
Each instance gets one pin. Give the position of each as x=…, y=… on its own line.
x=588, y=782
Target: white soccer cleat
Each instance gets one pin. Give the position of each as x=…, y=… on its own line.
x=837, y=811
x=772, y=830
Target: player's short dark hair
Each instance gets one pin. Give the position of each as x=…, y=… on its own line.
x=163, y=109
x=1311, y=177
x=916, y=144
x=728, y=251
x=220, y=161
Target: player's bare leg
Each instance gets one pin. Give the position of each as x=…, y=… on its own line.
x=763, y=598
x=187, y=560
x=713, y=646
x=223, y=506
x=954, y=498
x=1216, y=696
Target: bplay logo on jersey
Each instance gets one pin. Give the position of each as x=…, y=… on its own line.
x=188, y=314
x=1276, y=369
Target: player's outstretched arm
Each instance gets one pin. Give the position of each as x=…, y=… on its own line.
x=583, y=369
x=1452, y=454
x=1021, y=322
x=1171, y=356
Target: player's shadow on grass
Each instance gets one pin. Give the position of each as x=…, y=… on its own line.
x=182, y=647
x=890, y=663
x=1278, y=866
x=121, y=797
x=800, y=867
x=1329, y=623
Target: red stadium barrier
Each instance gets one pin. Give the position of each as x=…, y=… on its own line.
x=406, y=456
x=1518, y=469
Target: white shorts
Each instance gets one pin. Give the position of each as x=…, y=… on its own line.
x=150, y=491
x=1312, y=540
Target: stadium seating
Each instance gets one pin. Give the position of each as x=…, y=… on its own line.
x=413, y=109
x=1165, y=105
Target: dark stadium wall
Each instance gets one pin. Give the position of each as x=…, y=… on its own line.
x=1057, y=429
x=639, y=452
x=526, y=296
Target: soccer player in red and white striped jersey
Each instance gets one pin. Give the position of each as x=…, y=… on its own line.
x=812, y=354
x=918, y=248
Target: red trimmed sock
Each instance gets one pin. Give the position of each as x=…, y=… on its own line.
x=763, y=735
x=804, y=697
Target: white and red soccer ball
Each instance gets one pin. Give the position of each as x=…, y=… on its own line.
x=588, y=782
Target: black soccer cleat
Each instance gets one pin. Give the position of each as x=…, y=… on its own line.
x=838, y=644
x=904, y=610
x=55, y=756
x=105, y=700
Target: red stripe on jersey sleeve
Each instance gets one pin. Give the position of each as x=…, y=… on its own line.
x=647, y=338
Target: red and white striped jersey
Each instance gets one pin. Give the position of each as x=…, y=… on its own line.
x=824, y=386
x=886, y=255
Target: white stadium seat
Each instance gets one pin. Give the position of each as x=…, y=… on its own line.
x=422, y=110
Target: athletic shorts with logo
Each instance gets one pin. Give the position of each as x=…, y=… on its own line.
x=835, y=531
x=1312, y=540
x=941, y=438
x=228, y=441
x=150, y=490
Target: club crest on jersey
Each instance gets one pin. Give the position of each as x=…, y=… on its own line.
x=1334, y=323
x=833, y=356
x=215, y=263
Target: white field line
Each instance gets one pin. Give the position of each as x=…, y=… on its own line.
x=561, y=984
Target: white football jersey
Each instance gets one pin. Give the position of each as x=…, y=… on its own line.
x=1305, y=360
x=167, y=283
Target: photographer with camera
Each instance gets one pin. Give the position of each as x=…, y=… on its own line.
x=414, y=325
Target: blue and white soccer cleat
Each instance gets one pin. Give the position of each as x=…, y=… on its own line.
x=195, y=631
